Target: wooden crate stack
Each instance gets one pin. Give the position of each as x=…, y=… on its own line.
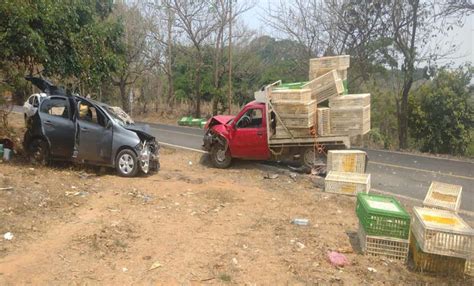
x=384, y=226
x=441, y=241
x=346, y=172
x=350, y=114
x=297, y=111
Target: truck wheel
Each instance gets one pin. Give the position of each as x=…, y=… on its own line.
x=309, y=159
x=38, y=152
x=220, y=157
x=126, y=163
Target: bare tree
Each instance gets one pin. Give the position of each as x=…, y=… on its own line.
x=457, y=8
x=136, y=59
x=197, y=19
x=301, y=21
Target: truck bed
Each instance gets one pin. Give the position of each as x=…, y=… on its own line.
x=326, y=140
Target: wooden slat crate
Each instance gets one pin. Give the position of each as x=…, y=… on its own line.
x=347, y=183
x=388, y=247
x=443, y=196
x=284, y=107
x=299, y=120
x=442, y=232
x=290, y=94
x=325, y=86
x=332, y=63
x=324, y=123
x=469, y=269
x=350, y=121
x=317, y=73
x=434, y=263
x=346, y=161
x=350, y=100
x=296, y=132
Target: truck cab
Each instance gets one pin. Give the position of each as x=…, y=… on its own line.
x=243, y=136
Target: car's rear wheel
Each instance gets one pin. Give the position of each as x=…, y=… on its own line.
x=126, y=163
x=220, y=156
x=38, y=152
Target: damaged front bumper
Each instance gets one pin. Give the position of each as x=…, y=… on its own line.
x=148, y=156
x=208, y=140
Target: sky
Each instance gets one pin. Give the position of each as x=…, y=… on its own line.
x=463, y=37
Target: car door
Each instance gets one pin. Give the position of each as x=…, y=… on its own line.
x=249, y=140
x=58, y=126
x=94, y=138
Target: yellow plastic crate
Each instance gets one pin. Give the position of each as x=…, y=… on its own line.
x=442, y=232
x=346, y=161
x=347, y=183
x=443, y=196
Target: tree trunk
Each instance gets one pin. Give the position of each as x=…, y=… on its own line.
x=169, y=60
x=217, y=58
x=409, y=70
x=197, y=88
x=124, y=97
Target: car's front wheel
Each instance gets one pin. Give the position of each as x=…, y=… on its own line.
x=220, y=156
x=126, y=163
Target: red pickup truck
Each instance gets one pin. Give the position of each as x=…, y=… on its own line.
x=249, y=136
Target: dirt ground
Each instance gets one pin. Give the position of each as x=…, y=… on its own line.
x=188, y=224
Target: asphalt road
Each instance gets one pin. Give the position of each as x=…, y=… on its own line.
x=402, y=174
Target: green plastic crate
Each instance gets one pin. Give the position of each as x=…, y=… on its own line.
x=292, y=85
x=185, y=121
x=196, y=121
x=382, y=216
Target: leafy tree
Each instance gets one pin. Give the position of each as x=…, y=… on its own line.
x=441, y=114
x=70, y=39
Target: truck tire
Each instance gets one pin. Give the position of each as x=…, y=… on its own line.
x=126, y=163
x=309, y=159
x=220, y=158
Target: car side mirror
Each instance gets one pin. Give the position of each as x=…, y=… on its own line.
x=108, y=125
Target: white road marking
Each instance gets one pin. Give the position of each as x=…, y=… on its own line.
x=178, y=132
x=421, y=170
x=181, y=147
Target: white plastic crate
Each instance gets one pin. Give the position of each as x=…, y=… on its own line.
x=442, y=232
x=347, y=183
x=346, y=161
x=443, y=196
x=389, y=247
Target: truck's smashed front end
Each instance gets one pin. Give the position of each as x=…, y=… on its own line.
x=216, y=131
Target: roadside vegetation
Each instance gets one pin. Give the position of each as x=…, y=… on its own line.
x=185, y=57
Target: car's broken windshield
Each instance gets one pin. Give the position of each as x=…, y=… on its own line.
x=119, y=115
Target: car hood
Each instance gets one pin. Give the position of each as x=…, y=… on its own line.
x=223, y=119
x=45, y=86
x=142, y=130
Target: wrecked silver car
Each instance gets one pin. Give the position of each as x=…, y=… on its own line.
x=78, y=129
